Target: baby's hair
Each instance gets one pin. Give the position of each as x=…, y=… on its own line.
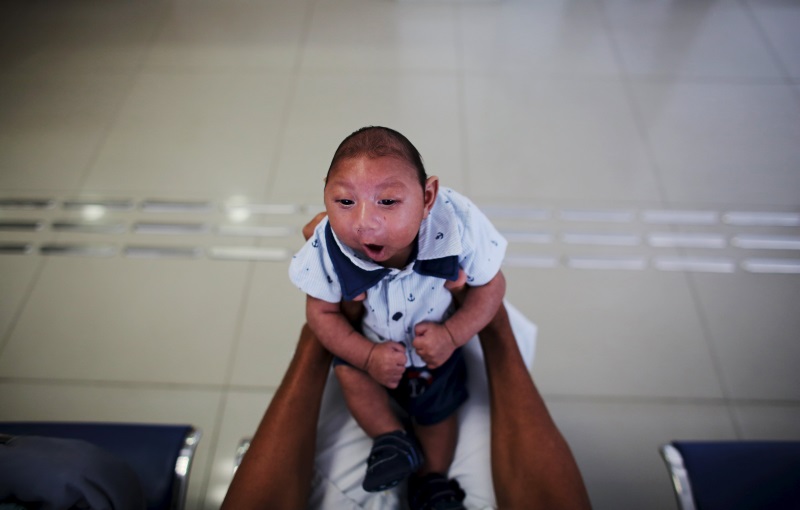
x=376, y=142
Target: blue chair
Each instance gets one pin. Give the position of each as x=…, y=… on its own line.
x=161, y=455
x=735, y=475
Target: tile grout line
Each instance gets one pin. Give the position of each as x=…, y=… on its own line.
x=762, y=33
x=224, y=388
x=95, y=154
x=132, y=79
x=461, y=78
x=665, y=400
x=212, y=448
x=291, y=97
x=550, y=397
x=788, y=79
x=139, y=385
x=237, y=334
x=641, y=128
x=630, y=97
x=22, y=305
x=712, y=351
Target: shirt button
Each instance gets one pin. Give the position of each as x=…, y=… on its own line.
x=397, y=316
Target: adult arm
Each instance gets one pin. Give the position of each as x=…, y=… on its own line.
x=277, y=469
x=532, y=465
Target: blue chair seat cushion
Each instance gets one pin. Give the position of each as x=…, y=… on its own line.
x=743, y=475
x=48, y=472
x=150, y=450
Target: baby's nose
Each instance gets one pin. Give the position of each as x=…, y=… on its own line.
x=367, y=218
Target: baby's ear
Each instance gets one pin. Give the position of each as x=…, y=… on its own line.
x=430, y=192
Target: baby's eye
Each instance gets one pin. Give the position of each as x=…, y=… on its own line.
x=387, y=201
x=345, y=201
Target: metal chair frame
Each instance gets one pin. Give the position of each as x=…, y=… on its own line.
x=183, y=465
x=680, y=477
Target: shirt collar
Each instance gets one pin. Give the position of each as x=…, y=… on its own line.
x=438, y=247
x=355, y=274
x=439, y=235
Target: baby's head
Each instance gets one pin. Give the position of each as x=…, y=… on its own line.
x=377, y=194
x=376, y=142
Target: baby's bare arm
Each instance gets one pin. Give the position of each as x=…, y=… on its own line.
x=479, y=307
x=436, y=342
x=385, y=362
x=335, y=333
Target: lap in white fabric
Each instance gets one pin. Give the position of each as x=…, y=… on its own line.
x=342, y=447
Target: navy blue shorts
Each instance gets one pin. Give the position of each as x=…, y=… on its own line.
x=431, y=395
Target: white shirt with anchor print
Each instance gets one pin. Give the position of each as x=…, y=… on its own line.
x=403, y=297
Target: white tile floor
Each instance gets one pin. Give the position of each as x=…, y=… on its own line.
x=540, y=111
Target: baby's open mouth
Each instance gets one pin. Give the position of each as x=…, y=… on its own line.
x=373, y=249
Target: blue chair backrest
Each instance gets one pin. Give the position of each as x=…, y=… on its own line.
x=151, y=450
x=738, y=475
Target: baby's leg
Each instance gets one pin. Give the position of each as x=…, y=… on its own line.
x=394, y=455
x=368, y=401
x=431, y=487
x=438, y=444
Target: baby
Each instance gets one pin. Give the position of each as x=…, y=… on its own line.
x=393, y=240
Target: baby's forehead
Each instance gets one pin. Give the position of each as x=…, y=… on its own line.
x=391, y=170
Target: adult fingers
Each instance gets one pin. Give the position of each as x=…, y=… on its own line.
x=309, y=227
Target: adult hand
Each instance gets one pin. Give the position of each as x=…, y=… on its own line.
x=458, y=288
x=309, y=227
x=433, y=343
x=354, y=309
x=386, y=363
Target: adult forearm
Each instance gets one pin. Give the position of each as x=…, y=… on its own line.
x=277, y=469
x=532, y=465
